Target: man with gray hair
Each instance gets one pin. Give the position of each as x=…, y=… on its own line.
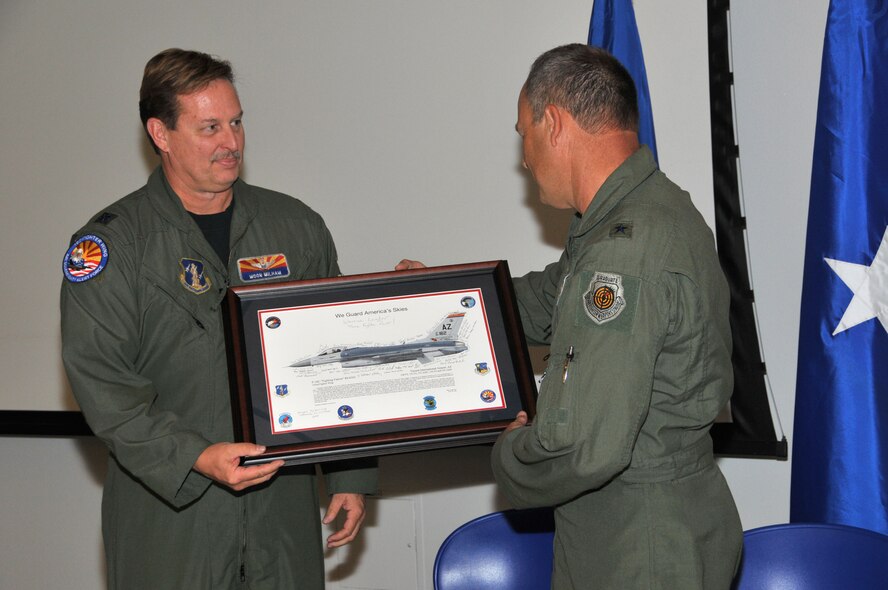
x=144, y=350
x=636, y=317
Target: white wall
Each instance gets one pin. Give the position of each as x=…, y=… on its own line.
x=394, y=119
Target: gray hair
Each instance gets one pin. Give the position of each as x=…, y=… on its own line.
x=589, y=83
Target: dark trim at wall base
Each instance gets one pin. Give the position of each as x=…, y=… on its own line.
x=42, y=423
x=69, y=423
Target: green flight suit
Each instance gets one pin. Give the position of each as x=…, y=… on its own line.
x=620, y=444
x=143, y=346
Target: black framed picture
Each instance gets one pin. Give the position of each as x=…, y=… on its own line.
x=378, y=363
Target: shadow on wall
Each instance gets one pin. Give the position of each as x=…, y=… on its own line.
x=95, y=457
x=407, y=476
x=410, y=474
x=553, y=223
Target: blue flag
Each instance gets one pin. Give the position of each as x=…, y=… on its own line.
x=840, y=451
x=612, y=27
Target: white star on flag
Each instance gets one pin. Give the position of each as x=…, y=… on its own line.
x=870, y=287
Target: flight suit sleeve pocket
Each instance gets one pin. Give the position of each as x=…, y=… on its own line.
x=554, y=411
x=164, y=306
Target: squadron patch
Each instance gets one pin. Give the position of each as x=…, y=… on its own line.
x=192, y=276
x=261, y=268
x=604, y=300
x=85, y=258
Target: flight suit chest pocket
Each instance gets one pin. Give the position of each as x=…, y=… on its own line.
x=192, y=296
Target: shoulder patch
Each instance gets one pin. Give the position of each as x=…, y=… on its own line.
x=85, y=258
x=604, y=300
x=105, y=218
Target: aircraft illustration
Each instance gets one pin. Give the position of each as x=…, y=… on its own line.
x=440, y=341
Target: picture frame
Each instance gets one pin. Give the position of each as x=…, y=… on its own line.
x=366, y=365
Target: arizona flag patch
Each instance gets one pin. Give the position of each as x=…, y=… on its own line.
x=85, y=258
x=261, y=268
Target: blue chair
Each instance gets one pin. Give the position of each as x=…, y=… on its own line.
x=813, y=557
x=500, y=551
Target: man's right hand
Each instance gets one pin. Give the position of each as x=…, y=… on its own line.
x=221, y=463
x=407, y=264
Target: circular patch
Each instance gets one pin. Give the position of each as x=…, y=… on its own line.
x=488, y=396
x=85, y=259
x=467, y=302
x=285, y=420
x=603, y=298
x=273, y=322
x=345, y=412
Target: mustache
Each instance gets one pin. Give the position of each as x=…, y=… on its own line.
x=225, y=155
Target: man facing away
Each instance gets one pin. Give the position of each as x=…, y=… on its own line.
x=144, y=350
x=635, y=313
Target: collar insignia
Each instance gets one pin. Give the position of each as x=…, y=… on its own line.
x=105, y=218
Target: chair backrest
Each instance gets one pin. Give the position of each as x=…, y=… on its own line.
x=813, y=557
x=499, y=551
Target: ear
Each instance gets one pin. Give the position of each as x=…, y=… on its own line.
x=158, y=132
x=553, y=118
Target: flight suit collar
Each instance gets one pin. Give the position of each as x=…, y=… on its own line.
x=244, y=213
x=170, y=207
x=622, y=181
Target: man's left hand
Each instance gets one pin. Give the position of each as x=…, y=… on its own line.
x=353, y=504
x=407, y=264
x=520, y=420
